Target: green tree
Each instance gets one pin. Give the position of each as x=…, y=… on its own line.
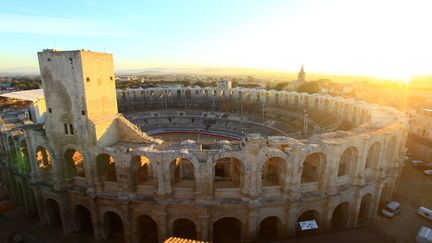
x=309, y=87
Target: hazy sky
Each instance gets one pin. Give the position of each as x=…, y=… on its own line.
x=366, y=37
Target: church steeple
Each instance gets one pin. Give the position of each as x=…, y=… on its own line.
x=301, y=75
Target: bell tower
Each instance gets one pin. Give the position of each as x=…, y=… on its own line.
x=301, y=75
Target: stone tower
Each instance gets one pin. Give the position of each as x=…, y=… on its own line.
x=80, y=96
x=301, y=75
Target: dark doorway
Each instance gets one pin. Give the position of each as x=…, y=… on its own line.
x=54, y=216
x=147, y=230
x=340, y=216
x=269, y=228
x=184, y=228
x=227, y=230
x=365, y=208
x=113, y=226
x=83, y=221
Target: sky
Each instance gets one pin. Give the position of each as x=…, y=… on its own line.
x=388, y=39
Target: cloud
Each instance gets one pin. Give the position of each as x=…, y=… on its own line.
x=66, y=26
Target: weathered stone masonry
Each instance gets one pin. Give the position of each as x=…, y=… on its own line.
x=87, y=162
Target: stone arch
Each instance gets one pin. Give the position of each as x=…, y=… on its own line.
x=348, y=161
x=365, y=208
x=43, y=158
x=106, y=167
x=270, y=228
x=74, y=163
x=340, y=216
x=228, y=172
x=273, y=171
x=113, y=226
x=373, y=155
x=184, y=228
x=83, y=220
x=227, y=230
x=147, y=229
x=182, y=173
x=142, y=170
x=314, y=166
x=53, y=213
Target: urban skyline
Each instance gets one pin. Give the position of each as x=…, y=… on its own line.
x=380, y=39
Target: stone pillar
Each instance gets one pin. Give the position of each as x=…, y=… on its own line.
x=98, y=224
x=204, y=234
x=65, y=214
x=160, y=178
x=355, y=208
x=163, y=225
x=376, y=199
x=291, y=221
x=252, y=233
x=127, y=227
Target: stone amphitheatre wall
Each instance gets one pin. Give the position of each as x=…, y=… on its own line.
x=337, y=178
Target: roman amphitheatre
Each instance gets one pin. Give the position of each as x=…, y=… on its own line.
x=218, y=164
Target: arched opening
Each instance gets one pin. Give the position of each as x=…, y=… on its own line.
x=113, y=226
x=340, y=216
x=142, y=169
x=270, y=228
x=326, y=105
x=147, y=230
x=306, y=101
x=348, y=161
x=273, y=171
x=74, y=163
x=53, y=213
x=43, y=158
x=228, y=173
x=106, y=167
x=365, y=208
x=391, y=149
x=227, y=230
x=316, y=103
x=83, y=221
x=313, y=167
x=184, y=228
x=372, y=159
x=305, y=218
x=182, y=173
x=362, y=116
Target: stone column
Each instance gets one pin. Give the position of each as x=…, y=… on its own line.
x=291, y=221
x=163, y=225
x=98, y=226
x=204, y=219
x=127, y=229
x=355, y=208
x=376, y=199
x=252, y=233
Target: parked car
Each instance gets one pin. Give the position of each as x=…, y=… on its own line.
x=428, y=172
x=424, y=235
x=393, y=208
x=421, y=165
x=425, y=212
